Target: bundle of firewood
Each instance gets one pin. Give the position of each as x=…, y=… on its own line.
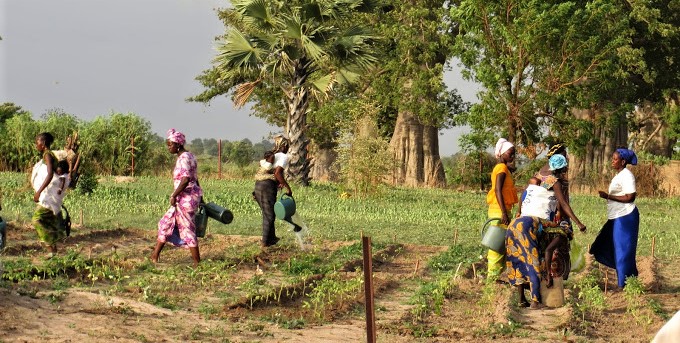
x=70, y=154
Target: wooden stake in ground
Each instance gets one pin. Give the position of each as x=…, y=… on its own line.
x=415, y=271
x=455, y=237
x=81, y=218
x=132, y=153
x=653, y=245
x=219, y=159
x=368, y=289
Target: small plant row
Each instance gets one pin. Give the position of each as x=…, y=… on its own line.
x=429, y=298
x=71, y=265
x=311, y=271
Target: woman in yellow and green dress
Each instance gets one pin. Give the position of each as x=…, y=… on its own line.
x=47, y=216
x=501, y=198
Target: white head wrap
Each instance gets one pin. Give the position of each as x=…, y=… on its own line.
x=502, y=146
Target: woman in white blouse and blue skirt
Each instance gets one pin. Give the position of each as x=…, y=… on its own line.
x=616, y=244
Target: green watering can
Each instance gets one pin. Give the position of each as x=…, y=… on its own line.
x=218, y=213
x=201, y=220
x=284, y=208
x=493, y=237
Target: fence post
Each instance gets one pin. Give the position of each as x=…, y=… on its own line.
x=132, y=143
x=219, y=159
x=368, y=290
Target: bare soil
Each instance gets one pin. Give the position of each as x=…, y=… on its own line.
x=38, y=311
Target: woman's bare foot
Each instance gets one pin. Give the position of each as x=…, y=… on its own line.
x=155, y=255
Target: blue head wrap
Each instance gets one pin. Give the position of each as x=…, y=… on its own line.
x=627, y=155
x=557, y=162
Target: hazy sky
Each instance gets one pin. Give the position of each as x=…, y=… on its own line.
x=95, y=57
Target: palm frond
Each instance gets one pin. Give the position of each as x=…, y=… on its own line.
x=313, y=50
x=347, y=75
x=237, y=52
x=324, y=84
x=293, y=27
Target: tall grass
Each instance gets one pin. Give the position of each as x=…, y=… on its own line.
x=418, y=216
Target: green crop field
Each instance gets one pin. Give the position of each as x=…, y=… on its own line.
x=403, y=215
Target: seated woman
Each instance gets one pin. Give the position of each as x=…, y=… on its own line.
x=537, y=248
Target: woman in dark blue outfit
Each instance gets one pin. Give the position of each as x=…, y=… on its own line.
x=265, y=191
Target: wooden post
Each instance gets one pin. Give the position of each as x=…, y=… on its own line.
x=219, y=159
x=132, y=152
x=415, y=271
x=81, y=218
x=455, y=237
x=653, y=245
x=368, y=290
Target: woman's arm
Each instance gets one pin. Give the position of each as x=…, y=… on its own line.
x=184, y=181
x=49, y=162
x=500, y=180
x=565, y=207
x=626, y=198
x=278, y=174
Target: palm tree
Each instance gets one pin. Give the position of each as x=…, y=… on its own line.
x=304, y=48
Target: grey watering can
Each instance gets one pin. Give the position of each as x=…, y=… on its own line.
x=493, y=236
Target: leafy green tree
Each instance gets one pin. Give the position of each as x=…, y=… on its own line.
x=537, y=60
x=241, y=153
x=18, y=145
x=9, y=110
x=298, y=49
x=210, y=146
x=107, y=142
x=196, y=146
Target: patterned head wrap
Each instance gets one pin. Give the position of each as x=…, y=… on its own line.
x=557, y=162
x=280, y=142
x=627, y=155
x=502, y=146
x=555, y=148
x=176, y=136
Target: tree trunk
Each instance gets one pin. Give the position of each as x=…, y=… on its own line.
x=589, y=169
x=298, y=104
x=322, y=168
x=415, y=149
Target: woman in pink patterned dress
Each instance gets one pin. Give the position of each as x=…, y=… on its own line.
x=177, y=225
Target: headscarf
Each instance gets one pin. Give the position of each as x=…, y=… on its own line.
x=280, y=141
x=627, y=155
x=557, y=162
x=555, y=148
x=176, y=136
x=502, y=146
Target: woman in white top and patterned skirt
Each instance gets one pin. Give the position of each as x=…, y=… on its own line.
x=616, y=244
